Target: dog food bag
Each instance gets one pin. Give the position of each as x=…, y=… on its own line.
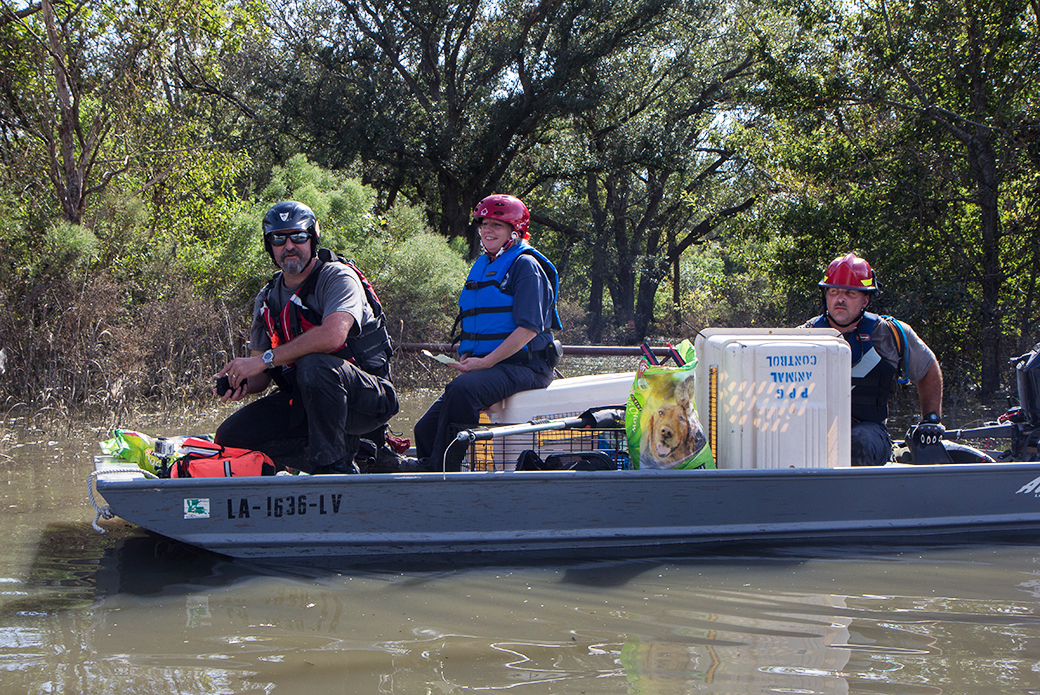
x=661, y=421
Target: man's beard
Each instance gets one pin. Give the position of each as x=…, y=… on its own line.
x=293, y=264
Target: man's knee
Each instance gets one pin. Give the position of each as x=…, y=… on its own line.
x=871, y=445
x=316, y=369
x=239, y=429
x=225, y=435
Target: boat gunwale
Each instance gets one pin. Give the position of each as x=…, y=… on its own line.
x=122, y=478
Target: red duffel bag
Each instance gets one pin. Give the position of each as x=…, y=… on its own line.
x=204, y=459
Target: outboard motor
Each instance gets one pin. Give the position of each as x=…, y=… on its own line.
x=1027, y=371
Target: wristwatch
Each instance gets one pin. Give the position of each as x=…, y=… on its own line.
x=931, y=418
x=268, y=358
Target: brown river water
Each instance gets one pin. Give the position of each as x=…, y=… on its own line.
x=130, y=612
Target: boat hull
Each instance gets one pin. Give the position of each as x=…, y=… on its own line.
x=602, y=513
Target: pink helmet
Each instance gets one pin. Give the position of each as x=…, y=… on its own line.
x=505, y=208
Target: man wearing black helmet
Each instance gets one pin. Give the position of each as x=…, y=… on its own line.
x=318, y=331
x=881, y=348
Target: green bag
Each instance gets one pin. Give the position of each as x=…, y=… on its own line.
x=130, y=446
x=661, y=421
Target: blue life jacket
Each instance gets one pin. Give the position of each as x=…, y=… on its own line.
x=486, y=303
x=872, y=376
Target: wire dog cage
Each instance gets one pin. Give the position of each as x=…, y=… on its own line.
x=502, y=453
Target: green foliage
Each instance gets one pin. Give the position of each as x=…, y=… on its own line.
x=417, y=274
x=193, y=222
x=459, y=245
x=724, y=283
x=905, y=132
x=653, y=166
x=94, y=98
x=70, y=245
x=240, y=266
x=343, y=205
x=904, y=146
x=439, y=98
x=404, y=221
x=418, y=280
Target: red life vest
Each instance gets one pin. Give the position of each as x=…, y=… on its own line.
x=370, y=350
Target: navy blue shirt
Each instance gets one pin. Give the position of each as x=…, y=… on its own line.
x=532, y=299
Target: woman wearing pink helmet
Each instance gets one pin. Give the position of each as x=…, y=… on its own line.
x=507, y=312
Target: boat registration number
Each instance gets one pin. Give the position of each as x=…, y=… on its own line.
x=274, y=507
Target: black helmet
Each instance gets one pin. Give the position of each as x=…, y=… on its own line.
x=289, y=216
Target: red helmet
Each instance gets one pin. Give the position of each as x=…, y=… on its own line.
x=850, y=272
x=504, y=208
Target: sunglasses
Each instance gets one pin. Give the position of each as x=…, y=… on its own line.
x=296, y=238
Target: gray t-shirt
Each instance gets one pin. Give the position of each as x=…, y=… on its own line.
x=338, y=289
x=921, y=357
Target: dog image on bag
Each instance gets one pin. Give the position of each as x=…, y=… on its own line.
x=671, y=434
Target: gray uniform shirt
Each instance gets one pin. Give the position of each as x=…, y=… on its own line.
x=337, y=289
x=921, y=356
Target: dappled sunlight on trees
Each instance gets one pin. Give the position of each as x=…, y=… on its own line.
x=687, y=163
x=916, y=144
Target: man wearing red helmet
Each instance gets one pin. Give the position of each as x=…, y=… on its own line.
x=507, y=312
x=881, y=347
x=319, y=332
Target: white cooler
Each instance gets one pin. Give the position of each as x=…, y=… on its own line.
x=563, y=398
x=775, y=397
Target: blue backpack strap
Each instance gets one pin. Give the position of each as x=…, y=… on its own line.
x=901, y=351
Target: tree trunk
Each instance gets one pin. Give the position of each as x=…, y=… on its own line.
x=455, y=207
x=600, y=261
x=622, y=280
x=676, y=288
x=983, y=163
x=1026, y=321
x=65, y=172
x=594, y=310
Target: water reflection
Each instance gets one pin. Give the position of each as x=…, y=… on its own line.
x=150, y=615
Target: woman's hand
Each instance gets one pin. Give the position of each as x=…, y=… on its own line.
x=472, y=364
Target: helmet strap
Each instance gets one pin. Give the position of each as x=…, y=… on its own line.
x=314, y=240
x=844, y=325
x=509, y=242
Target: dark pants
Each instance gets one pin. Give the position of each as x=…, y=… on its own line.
x=871, y=445
x=317, y=426
x=461, y=403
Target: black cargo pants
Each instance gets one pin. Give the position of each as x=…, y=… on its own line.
x=317, y=425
